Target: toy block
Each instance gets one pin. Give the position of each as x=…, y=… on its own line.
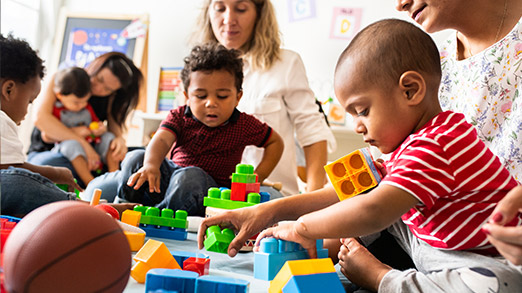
x=252, y=187
x=218, y=199
x=324, y=282
x=238, y=191
x=217, y=284
x=154, y=254
x=181, y=256
x=136, y=240
x=151, y=216
x=273, y=253
x=300, y=267
x=265, y=196
x=165, y=232
x=353, y=174
x=131, y=217
x=198, y=265
x=171, y=280
x=110, y=210
x=217, y=240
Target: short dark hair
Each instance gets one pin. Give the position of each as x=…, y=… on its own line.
x=18, y=61
x=211, y=57
x=386, y=49
x=73, y=80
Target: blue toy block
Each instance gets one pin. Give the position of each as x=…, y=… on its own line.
x=325, y=282
x=265, y=196
x=273, y=254
x=216, y=284
x=181, y=256
x=171, y=280
x=164, y=232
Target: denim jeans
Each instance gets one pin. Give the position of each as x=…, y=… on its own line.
x=23, y=191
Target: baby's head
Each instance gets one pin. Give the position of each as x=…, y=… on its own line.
x=212, y=79
x=388, y=80
x=21, y=73
x=72, y=86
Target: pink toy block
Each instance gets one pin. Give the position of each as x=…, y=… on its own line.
x=252, y=188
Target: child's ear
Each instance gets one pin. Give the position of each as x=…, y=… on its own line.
x=8, y=87
x=413, y=87
x=239, y=96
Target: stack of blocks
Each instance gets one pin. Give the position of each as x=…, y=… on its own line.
x=244, y=192
x=307, y=275
x=167, y=225
x=168, y=280
x=273, y=253
x=154, y=254
x=353, y=173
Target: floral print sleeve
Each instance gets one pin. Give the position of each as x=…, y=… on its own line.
x=486, y=88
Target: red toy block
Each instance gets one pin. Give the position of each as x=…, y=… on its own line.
x=197, y=264
x=252, y=188
x=238, y=191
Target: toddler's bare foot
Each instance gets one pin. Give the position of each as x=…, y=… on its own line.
x=360, y=266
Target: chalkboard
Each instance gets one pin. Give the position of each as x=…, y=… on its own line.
x=83, y=37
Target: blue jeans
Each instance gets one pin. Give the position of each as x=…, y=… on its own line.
x=24, y=191
x=52, y=159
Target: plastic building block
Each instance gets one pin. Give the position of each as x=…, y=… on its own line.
x=325, y=282
x=171, y=280
x=131, y=217
x=275, y=252
x=238, y=191
x=181, y=256
x=218, y=199
x=164, y=226
x=265, y=196
x=198, y=265
x=154, y=254
x=217, y=240
x=136, y=240
x=95, y=200
x=110, y=210
x=216, y=284
x=301, y=267
x=353, y=173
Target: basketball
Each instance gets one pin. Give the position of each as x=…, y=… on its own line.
x=67, y=246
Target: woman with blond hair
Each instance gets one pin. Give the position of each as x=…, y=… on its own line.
x=275, y=86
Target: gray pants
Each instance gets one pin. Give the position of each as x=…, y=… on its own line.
x=449, y=271
x=72, y=148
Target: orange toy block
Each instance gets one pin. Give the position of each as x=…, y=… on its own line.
x=131, y=217
x=353, y=173
x=300, y=267
x=153, y=255
x=135, y=240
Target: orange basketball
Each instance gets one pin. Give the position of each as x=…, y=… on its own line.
x=67, y=247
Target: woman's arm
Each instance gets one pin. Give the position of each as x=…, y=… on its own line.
x=316, y=158
x=118, y=145
x=273, y=151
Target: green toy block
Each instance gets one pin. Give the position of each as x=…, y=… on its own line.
x=244, y=169
x=217, y=240
x=151, y=216
x=240, y=178
x=221, y=199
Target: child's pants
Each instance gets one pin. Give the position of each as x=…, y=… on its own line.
x=448, y=271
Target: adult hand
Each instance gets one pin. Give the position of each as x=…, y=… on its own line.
x=288, y=232
x=63, y=175
x=248, y=221
x=507, y=240
x=146, y=174
x=119, y=148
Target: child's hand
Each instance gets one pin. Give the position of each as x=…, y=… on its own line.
x=288, y=232
x=64, y=176
x=101, y=129
x=82, y=131
x=379, y=164
x=145, y=174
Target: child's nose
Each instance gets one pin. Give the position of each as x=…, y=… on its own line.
x=211, y=102
x=359, y=127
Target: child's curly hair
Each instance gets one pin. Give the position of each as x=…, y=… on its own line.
x=211, y=57
x=18, y=61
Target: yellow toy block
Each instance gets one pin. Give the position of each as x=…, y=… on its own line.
x=153, y=255
x=131, y=217
x=353, y=173
x=300, y=267
x=135, y=240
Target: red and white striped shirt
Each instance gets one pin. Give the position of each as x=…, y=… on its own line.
x=457, y=180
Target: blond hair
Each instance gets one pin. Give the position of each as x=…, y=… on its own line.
x=263, y=48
